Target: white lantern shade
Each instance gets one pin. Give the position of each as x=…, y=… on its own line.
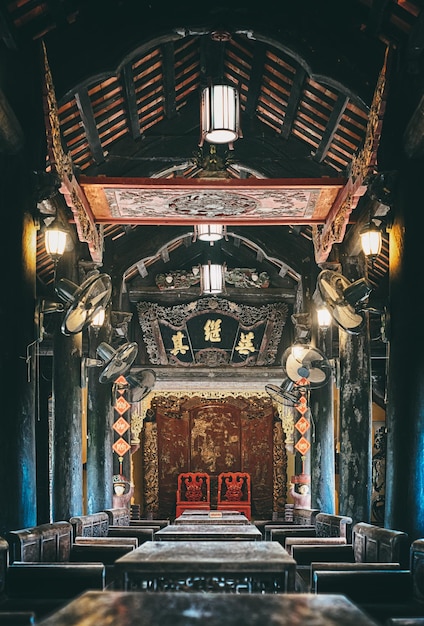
x=212, y=278
x=98, y=319
x=209, y=232
x=55, y=241
x=371, y=240
x=220, y=116
x=324, y=317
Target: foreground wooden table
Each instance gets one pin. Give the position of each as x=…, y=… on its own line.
x=216, y=532
x=225, y=566
x=96, y=608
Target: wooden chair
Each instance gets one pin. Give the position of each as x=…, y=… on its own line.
x=234, y=492
x=193, y=492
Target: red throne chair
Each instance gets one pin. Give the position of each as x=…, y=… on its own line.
x=193, y=492
x=234, y=492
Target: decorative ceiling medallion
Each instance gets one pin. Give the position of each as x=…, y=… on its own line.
x=121, y=426
x=121, y=446
x=302, y=446
x=302, y=425
x=213, y=204
x=121, y=405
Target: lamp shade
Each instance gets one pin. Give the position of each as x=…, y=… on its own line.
x=371, y=240
x=55, y=242
x=209, y=232
x=324, y=317
x=211, y=278
x=220, y=114
x=99, y=318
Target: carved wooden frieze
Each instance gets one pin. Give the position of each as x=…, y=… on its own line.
x=212, y=332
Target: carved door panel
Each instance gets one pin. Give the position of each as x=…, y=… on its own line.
x=173, y=458
x=215, y=444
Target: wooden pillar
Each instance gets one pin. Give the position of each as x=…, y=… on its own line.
x=323, y=469
x=18, y=352
x=99, y=431
x=355, y=419
x=67, y=485
x=405, y=390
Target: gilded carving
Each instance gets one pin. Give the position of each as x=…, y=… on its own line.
x=62, y=162
x=280, y=470
x=361, y=167
x=150, y=460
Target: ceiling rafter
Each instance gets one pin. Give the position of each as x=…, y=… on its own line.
x=85, y=109
x=127, y=77
x=331, y=129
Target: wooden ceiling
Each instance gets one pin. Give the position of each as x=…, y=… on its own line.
x=127, y=78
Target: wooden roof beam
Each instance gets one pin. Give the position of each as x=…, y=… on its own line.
x=331, y=128
x=130, y=96
x=168, y=77
x=89, y=123
x=293, y=103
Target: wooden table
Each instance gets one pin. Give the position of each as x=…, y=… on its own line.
x=232, y=566
x=208, y=511
x=207, y=519
x=217, y=532
x=190, y=609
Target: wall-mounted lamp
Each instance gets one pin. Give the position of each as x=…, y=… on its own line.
x=371, y=239
x=324, y=318
x=55, y=242
x=212, y=279
x=98, y=320
x=209, y=232
x=219, y=115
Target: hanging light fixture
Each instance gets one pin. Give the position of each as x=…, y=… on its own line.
x=209, y=232
x=212, y=278
x=371, y=239
x=220, y=114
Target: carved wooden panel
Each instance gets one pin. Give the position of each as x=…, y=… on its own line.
x=232, y=434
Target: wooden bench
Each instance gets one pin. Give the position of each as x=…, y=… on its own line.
x=301, y=517
x=383, y=593
x=36, y=576
x=370, y=544
x=122, y=517
x=326, y=526
x=97, y=525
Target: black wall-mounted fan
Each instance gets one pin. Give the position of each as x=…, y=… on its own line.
x=140, y=384
x=83, y=302
x=115, y=362
x=287, y=393
x=344, y=299
x=303, y=361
